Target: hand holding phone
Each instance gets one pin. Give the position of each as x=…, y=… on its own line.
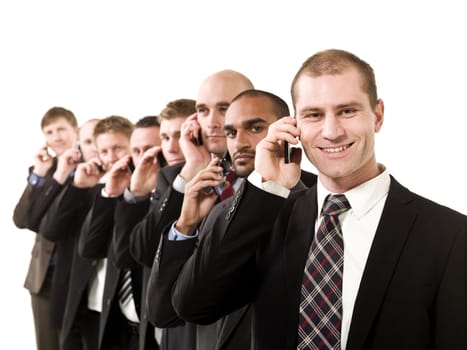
x=198, y=141
x=131, y=166
x=161, y=160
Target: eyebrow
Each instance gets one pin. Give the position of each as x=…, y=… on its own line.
x=246, y=124
x=218, y=104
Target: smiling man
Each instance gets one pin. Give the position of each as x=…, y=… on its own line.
x=355, y=262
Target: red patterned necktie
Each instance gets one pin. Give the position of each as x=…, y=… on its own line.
x=321, y=295
x=229, y=191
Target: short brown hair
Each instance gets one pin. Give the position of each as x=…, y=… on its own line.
x=55, y=113
x=114, y=123
x=334, y=62
x=182, y=107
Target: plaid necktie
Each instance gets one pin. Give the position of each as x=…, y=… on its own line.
x=321, y=296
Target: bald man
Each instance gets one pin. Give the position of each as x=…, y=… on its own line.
x=202, y=137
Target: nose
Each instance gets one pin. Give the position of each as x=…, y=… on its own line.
x=172, y=145
x=215, y=120
x=241, y=140
x=332, y=128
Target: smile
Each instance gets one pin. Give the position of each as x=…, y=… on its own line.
x=336, y=149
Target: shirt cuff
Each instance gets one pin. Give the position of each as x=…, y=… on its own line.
x=175, y=235
x=129, y=197
x=179, y=184
x=36, y=180
x=256, y=180
x=106, y=195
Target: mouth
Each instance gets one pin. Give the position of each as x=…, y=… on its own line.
x=243, y=156
x=335, y=149
x=175, y=160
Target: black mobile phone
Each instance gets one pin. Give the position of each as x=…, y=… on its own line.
x=226, y=163
x=100, y=168
x=161, y=160
x=131, y=166
x=286, y=152
x=81, y=158
x=198, y=141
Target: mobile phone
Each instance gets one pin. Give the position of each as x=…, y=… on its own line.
x=49, y=153
x=226, y=163
x=198, y=141
x=286, y=152
x=131, y=166
x=81, y=158
x=100, y=168
x=161, y=160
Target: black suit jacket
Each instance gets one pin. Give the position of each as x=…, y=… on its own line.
x=234, y=328
x=136, y=235
x=94, y=243
x=413, y=290
x=63, y=223
x=41, y=262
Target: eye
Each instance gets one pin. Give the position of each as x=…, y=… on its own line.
x=348, y=112
x=230, y=133
x=256, y=129
x=223, y=109
x=202, y=110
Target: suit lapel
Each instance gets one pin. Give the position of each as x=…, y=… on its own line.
x=392, y=232
x=297, y=242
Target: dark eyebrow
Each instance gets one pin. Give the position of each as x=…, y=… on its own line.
x=223, y=104
x=246, y=124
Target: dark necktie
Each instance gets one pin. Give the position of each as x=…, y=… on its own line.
x=229, y=191
x=321, y=295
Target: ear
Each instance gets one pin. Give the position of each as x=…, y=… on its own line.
x=379, y=115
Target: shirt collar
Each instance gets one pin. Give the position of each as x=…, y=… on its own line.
x=362, y=197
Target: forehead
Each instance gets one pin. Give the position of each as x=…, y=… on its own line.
x=148, y=134
x=218, y=89
x=172, y=123
x=316, y=92
x=58, y=122
x=110, y=139
x=86, y=130
x=250, y=107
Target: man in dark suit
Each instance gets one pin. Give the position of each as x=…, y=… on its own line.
x=59, y=214
x=246, y=123
x=404, y=280
x=133, y=202
x=60, y=129
x=120, y=315
x=203, y=137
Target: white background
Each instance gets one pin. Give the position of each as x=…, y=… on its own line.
x=100, y=58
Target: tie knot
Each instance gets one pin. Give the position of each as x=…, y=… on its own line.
x=231, y=177
x=335, y=204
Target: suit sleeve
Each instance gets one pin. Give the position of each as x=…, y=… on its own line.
x=165, y=208
x=96, y=233
x=39, y=207
x=127, y=215
x=451, y=302
x=67, y=210
x=221, y=276
x=170, y=258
